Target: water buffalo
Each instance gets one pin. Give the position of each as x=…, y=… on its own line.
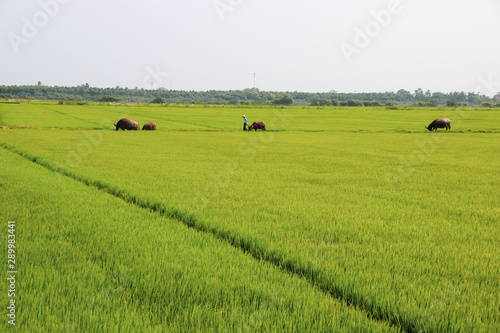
x=439, y=123
x=127, y=124
x=149, y=126
x=258, y=125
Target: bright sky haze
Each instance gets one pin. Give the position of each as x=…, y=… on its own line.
x=310, y=46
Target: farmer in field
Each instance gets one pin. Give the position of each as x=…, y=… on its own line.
x=245, y=123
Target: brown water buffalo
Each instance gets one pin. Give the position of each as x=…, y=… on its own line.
x=149, y=126
x=439, y=123
x=258, y=125
x=127, y=124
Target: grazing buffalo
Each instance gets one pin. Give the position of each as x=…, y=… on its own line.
x=127, y=124
x=439, y=123
x=258, y=125
x=149, y=126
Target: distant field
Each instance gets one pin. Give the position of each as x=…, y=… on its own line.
x=381, y=223
x=189, y=117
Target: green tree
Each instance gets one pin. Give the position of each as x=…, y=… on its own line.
x=110, y=99
x=6, y=96
x=353, y=102
x=285, y=100
x=433, y=103
x=488, y=105
x=372, y=103
x=473, y=98
x=158, y=100
x=496, y=98
x=321, y=102
x=419, y=95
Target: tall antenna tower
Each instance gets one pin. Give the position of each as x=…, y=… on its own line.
x=254, y=81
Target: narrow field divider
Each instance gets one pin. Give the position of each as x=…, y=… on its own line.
x=249, y=246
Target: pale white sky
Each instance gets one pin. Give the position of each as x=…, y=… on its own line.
x=313, y=46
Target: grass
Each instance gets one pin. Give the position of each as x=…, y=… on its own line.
x=90, y=262
x=199, y=118
x=400, y=222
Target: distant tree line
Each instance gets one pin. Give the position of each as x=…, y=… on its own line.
x=85, y=93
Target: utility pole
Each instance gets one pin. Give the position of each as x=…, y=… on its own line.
x=254, y=81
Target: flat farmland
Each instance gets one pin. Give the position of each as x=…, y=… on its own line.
x=381, y=224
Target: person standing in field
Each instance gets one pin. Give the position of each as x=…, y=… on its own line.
x=245, y=123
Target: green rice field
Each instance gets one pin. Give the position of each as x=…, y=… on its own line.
x=337, y=219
